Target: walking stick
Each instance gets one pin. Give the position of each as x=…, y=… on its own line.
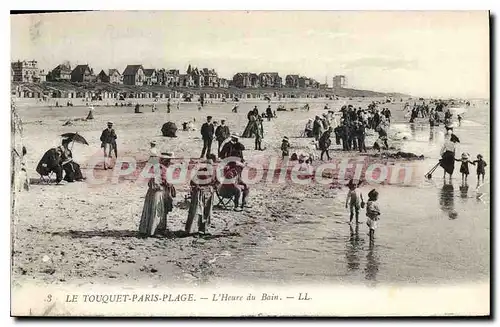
x=429, y=174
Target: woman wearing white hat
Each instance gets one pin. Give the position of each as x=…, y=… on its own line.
x=158, y=201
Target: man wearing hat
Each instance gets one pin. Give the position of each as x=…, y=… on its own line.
x=207, y=134
x=232, y=148
x=108, y=142
x=221, y=134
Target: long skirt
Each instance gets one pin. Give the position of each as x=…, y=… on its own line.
x=154, y=213
x=72, y=172
x=448, y=162
x=200, y=209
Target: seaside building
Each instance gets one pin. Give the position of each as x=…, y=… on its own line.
x=172, y=78
x=198, y=77
x=61, y=73
x=292, y=81
x=42, y=76
x=308, y=83
x=25, y=71
x=223, y=83
x=82, y=73
x=210, y=77
x=186, y=80
x=134, y=75
x=246, y=80
x=272, y=80
x=114, y=76
x=150, y=77
x=102, y=77
x=339, y=81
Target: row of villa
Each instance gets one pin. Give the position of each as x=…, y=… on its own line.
x=28, y=72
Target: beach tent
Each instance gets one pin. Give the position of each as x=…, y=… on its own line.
x=169, y=129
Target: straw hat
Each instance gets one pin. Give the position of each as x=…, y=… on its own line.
x=110, y=123
x=167, y=155
x=234, y=136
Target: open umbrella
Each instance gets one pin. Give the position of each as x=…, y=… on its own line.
x=75, y=137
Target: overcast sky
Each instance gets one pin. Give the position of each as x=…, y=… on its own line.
x=420, y=53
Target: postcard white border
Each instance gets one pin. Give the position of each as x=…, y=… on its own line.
x=214, y=5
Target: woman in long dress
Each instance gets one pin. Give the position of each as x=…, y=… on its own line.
x=200, y=208
x=157, y=203
x=448, y=155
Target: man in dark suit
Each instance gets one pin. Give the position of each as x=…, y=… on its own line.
x=232, y=149
x=108, y=142
x=221, y=134
x=207, y=134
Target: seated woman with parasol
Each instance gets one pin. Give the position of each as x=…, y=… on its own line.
x=71, y=168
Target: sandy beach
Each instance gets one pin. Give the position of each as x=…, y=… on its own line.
x=81, y=233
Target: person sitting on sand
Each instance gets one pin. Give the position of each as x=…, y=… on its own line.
x=137, y=109
x=233, y=186
x=71, y=168
x=51, y=163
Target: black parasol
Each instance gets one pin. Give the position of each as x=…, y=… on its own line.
x=75, y=137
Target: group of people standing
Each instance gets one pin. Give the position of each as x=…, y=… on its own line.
x=350, y=132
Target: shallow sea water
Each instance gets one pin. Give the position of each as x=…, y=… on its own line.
x=430, y=232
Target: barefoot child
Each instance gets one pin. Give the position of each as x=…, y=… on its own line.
x=464, y=168
x=354, y=200
x=481, y=164
x=372, y=212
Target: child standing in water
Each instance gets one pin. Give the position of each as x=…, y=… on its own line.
x=372, y=212
x=481, y=164
x=464, y=168
x=354, y=200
